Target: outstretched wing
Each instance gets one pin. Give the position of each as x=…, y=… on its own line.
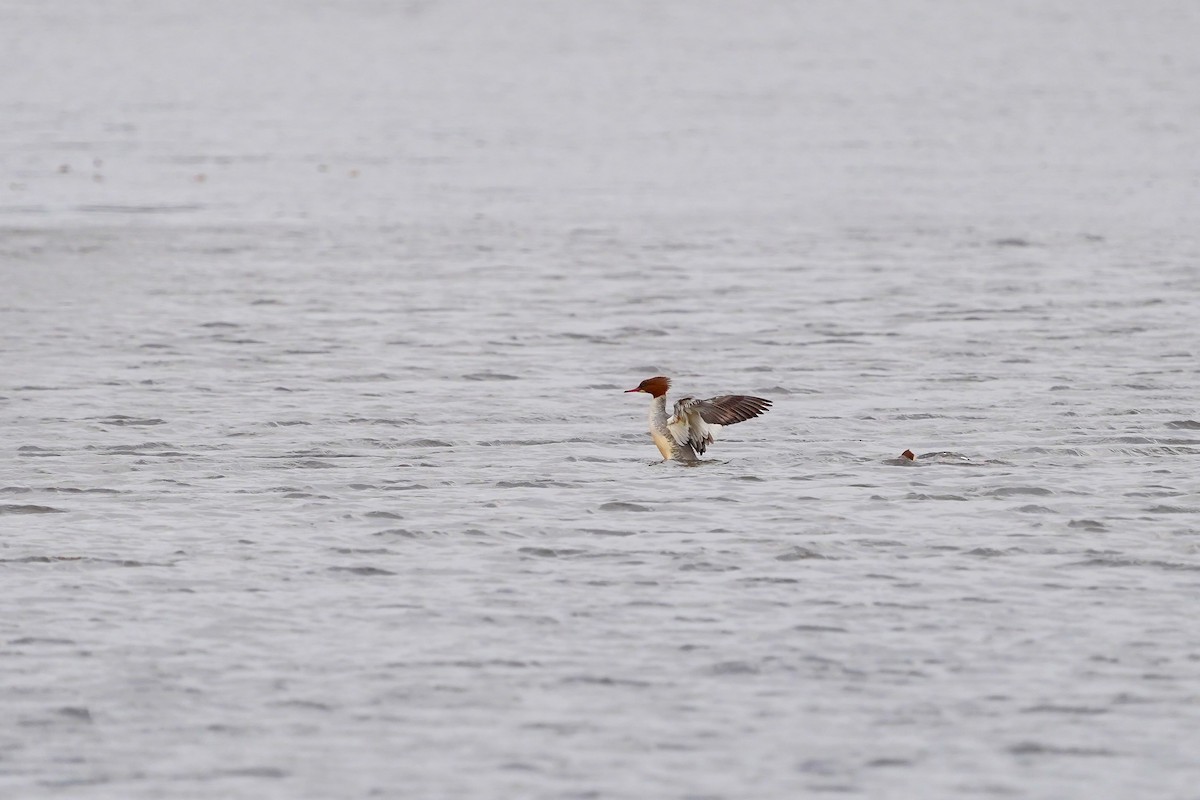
x=730, y=409
x=696, y=421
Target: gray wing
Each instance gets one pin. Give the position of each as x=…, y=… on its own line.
x=695, y=421
x=730, y=409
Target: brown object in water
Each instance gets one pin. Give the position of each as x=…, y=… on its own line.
x=909, y=455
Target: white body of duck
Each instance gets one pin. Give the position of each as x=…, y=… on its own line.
x=687, y=432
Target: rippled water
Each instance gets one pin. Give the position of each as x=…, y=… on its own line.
x=316, y=477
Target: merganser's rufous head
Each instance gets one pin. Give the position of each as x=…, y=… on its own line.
x=908, y=454
x=656, y=387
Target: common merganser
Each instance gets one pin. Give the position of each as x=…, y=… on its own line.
x=943, y=457
x=688, y=432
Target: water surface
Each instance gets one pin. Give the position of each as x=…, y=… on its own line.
x=316, y=477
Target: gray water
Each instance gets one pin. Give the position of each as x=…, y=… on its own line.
x=316, y=477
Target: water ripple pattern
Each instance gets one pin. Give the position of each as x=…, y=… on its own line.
x=316, y=474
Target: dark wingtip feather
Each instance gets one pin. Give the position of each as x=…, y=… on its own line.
x=732, y=409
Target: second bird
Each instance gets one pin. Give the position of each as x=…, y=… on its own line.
x=687, y=433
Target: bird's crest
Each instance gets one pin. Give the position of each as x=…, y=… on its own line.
x=656, y=386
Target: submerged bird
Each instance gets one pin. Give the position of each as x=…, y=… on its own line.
x=688, y=432
x=943, y=457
